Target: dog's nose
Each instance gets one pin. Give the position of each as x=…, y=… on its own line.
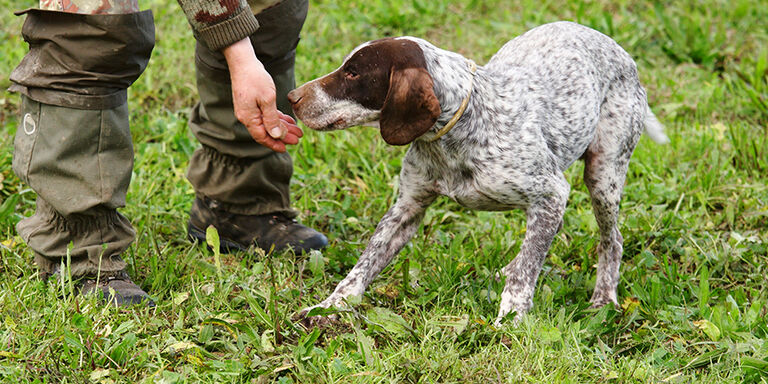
x=294, y=96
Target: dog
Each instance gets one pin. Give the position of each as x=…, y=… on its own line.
x=494, y=137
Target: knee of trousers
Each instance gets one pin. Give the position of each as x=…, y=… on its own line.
x=231, y=167
x=83, y=61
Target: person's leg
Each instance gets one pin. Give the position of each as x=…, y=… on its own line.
x=242, y=188
x=73, y=145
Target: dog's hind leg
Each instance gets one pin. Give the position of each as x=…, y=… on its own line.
x=605, y=169
x=544, y=219
x=605, y=180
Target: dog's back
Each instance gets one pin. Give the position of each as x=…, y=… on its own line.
x=582, y=80
x=565, y=47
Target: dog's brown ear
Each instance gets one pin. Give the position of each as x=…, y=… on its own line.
x=410, y=107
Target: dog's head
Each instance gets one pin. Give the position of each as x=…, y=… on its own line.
x=382, y=81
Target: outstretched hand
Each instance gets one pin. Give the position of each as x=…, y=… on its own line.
x=254, y=98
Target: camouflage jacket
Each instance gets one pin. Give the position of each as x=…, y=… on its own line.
x=219, y=23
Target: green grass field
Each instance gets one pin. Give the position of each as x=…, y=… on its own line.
x=694, y=288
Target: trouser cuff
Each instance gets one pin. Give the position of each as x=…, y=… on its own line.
x=97, y=239
x=246, y=186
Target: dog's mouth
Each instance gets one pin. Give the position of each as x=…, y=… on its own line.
x=317, y=122
x=335, y=121
x=335, y=125
x=340, y=123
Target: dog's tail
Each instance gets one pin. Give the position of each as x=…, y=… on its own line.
x=653, y=128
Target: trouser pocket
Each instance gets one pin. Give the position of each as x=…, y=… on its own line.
x=26, y=135
x=75, y=159
x=79, y=163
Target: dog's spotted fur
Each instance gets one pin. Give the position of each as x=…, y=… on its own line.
x=556, y=94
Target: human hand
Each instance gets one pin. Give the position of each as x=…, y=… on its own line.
x=253, y=96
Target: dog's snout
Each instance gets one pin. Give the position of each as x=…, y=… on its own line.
x=294, y=96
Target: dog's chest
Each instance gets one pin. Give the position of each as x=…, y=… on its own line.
x=483, y=197
x=477, y=187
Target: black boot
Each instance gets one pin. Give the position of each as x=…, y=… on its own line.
x=240, y=232
x=125, y=292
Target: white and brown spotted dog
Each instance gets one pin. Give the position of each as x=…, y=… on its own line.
x=558, y=93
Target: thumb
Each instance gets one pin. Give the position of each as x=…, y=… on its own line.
x=271, y=119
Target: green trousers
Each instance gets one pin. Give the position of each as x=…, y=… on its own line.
x=79, y=162
x=242, y=175
x=73, y=145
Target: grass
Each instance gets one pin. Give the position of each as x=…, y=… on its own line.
x=694, y=220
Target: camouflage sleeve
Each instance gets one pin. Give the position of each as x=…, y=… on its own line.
x=91, y=7
x=219, y=23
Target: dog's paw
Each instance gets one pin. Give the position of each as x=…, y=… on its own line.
x=326, y=313
x=514, y=322
x=317, y=316
x=599, y=301
x=320, y=322
x=326, y=308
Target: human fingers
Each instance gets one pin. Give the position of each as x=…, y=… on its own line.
x=259, y=134
x=295, y=130
x=292, y=127
x=291, y=138
x=286, y=118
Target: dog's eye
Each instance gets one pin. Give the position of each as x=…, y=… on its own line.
x=350, y=74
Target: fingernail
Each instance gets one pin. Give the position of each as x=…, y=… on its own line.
x=276, y=132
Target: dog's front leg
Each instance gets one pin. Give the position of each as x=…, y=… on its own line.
x=394, y=230
x=544, y=219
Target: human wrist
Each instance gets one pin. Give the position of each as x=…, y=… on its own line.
x=241, y=56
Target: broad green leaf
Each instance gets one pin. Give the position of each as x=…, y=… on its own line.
x=125, y=326
x=390, y=321
x=365, y=346
x=266, y=341
x=709, y=328
x=98, y=374
x=316, y=263
x=549, y=334
x=206, y=334
x=179, y=347
x=180, y=297
x=213, y=241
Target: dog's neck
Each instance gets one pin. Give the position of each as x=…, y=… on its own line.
x=453, y=79
x=462, y=108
